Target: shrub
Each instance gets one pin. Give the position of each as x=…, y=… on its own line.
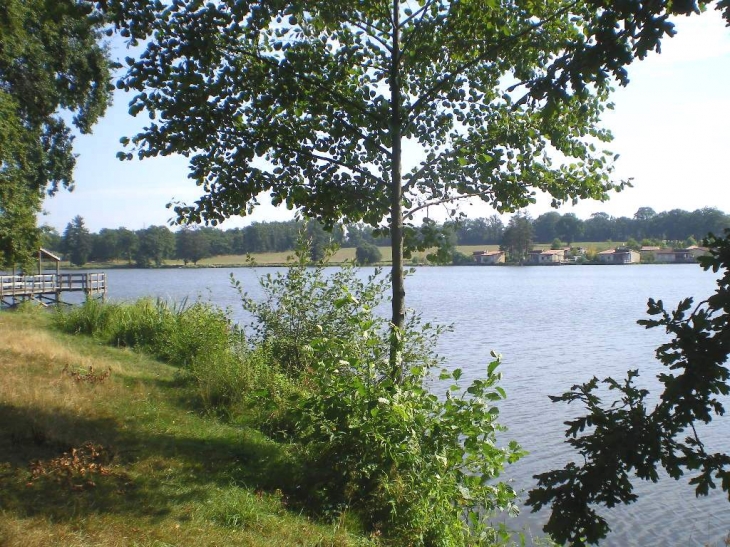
x=367, y=253
x=461, y=259
x=419, y=468
x=416, y=467
x=305, y=303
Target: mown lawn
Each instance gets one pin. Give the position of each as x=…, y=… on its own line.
x=105, y=447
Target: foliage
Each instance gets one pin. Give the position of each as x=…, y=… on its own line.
x=181, y=335
x=197, y=337
x=367, y=253
x=121, y=243
x=300, y=306
x=51, y=60
x=77, y=241
x=312, y=103
x=420, y=467
x=557, y=244
x=460, y=259
x=569, y=227
x=156, y=243
x=627, y=436
x=517, y=238
x=479, y=231
x=167, y=462
x=417, y=468
x=191, y=245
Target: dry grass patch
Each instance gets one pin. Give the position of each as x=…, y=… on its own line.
x=115, y=455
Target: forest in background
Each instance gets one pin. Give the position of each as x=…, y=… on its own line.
x=153, y=245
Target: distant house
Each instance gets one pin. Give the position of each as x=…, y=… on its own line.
x=665, y=256
x=619, y=255
x=697, y=252
x=549, y=256
x=679, y=256
x=489, y=258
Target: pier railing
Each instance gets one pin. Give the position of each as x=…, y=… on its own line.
x=51, y=285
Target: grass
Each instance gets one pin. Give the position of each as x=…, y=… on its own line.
x=105, y=447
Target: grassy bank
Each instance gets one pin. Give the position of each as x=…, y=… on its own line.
x=106, y=447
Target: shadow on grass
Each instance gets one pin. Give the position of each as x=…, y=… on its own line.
x=144, y=474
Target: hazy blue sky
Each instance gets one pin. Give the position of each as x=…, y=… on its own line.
x=671, y=127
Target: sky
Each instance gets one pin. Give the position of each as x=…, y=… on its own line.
x=671, y=128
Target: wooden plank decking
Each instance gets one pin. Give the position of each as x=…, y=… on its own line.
x=48, y=288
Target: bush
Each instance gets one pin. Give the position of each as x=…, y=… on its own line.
x=416, y=467
x=419, y=468
x=305, y=303
x=367, y=253
x=461, y=259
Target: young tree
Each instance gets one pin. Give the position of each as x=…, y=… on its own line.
x=77, y=241
x=315, y=102
x=51, y=59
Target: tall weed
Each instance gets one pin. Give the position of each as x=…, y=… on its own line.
x=200, y=338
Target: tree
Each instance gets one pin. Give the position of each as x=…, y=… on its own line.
x=367, y=253
x=328, y=93
x=156, y=243
x=545, y=226
x=127, y=244
x=631, y=243
x=50, y=238
x=644, y=213
x=191, y=245
x=77, y=241
x=569, y=227
x=319, y=240
x=598, y=227
x=105, y=245
x=51, y=60
x=517, y=238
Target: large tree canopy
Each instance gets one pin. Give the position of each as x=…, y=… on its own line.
x=52, y=68
x=318, y=103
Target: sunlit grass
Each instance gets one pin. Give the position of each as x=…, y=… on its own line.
x=168, y=474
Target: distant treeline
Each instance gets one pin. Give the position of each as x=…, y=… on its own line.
x=155, y=244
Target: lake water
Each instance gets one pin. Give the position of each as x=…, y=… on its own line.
x=555, y=327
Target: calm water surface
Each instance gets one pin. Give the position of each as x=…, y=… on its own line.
x=555, y=327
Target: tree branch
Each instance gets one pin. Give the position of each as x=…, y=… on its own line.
x=448, y=79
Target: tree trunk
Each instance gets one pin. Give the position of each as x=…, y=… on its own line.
x=396, y=207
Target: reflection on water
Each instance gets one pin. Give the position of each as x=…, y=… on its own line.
x=555, y=327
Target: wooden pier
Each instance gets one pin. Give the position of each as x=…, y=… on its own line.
x=48, y=288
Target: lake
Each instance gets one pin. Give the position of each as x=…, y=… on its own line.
x=555, y=327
